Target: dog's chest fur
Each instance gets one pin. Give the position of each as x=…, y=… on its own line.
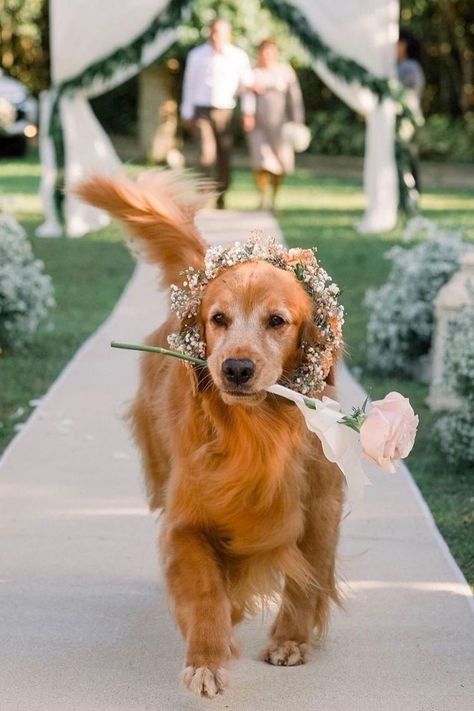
x=246, y=482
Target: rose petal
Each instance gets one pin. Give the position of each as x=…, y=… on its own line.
x=373, y=435
x=389, y=431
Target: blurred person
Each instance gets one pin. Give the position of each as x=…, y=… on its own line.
x=412, y=77
x=216, y=73
x=274, y=100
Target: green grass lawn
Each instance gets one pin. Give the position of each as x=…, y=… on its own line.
x=88, y=276
x=90, y=273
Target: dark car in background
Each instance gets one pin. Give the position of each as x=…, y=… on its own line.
x=18, y=116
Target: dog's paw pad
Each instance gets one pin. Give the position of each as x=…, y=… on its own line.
x=286, y=654
x=205, y=682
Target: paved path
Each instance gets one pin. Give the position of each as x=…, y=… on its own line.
x=84, y=623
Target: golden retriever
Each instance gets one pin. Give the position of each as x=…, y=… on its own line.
x=252, y=507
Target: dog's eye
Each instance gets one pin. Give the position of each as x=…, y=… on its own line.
x=219, y=320
x=275, y=321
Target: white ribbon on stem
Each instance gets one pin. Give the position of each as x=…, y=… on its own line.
x=340, y=443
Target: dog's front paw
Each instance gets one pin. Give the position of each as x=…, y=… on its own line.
x=286, y=654
x=205, y=682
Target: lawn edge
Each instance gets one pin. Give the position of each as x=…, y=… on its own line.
x=443, y=546
x=64, y=372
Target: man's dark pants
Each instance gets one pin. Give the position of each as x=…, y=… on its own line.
x=213, y=129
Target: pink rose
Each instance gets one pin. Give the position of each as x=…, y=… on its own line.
x=388, y=432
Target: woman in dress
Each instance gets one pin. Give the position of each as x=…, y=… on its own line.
x=274, y=100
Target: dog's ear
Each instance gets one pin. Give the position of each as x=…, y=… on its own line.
x=158, y=210
x=310, y=336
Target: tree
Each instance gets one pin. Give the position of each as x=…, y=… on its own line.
x=445, y=29
x=250, y=25
x=24, y=42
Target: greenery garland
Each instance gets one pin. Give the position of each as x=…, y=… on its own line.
x=169, y=18
x=103, y=69
x=349, y=71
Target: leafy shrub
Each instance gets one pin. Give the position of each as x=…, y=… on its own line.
x=26, y=292
x=339, y=132
x=455, y=430
x=342, y=132
x=400, y=326
x=455, y=434
x=446, y=138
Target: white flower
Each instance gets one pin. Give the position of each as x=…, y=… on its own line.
x=401, y=317
x=26, y=292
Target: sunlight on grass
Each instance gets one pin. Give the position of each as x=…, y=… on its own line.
x=440, y=203
x=23, y=206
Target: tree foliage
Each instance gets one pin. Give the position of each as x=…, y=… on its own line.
x=24, y=41
x=445, y=29
x=250, y=25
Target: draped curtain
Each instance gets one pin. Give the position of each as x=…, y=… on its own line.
x=366, y=31
x=84, y=31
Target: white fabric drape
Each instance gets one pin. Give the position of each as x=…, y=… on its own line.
x=51, y=227
x=365, y=31
x=340, y=444
x=83, y=32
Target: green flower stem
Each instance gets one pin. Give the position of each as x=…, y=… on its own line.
x=160, y=351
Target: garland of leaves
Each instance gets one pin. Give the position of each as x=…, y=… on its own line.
x=170, y=17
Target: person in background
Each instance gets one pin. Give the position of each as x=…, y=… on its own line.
x=274, y=100
x=216, y=73
x=412, y=78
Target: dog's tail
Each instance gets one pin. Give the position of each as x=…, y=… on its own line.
x=158, y=211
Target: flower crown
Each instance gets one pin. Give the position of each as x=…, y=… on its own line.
x=328, y=315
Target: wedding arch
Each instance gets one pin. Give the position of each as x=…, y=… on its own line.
x=96, y=46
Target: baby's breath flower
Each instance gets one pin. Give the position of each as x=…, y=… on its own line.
x=455, y=430
x=188, y=341
x=401, y=319
x=26, y=292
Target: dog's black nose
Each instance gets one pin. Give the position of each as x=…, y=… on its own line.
x=238, y=370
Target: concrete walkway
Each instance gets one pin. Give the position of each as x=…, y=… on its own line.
x=84, y=622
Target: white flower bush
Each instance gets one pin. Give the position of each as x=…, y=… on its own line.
x=455, y=431
x=401, y=318
x=26, y=292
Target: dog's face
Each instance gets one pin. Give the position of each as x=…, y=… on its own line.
x=254, y=316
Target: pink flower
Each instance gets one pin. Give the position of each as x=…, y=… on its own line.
x=388, y=432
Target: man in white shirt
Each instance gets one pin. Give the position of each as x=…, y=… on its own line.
x=216, y=73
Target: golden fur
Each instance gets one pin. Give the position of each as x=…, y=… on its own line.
x=250, y=501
